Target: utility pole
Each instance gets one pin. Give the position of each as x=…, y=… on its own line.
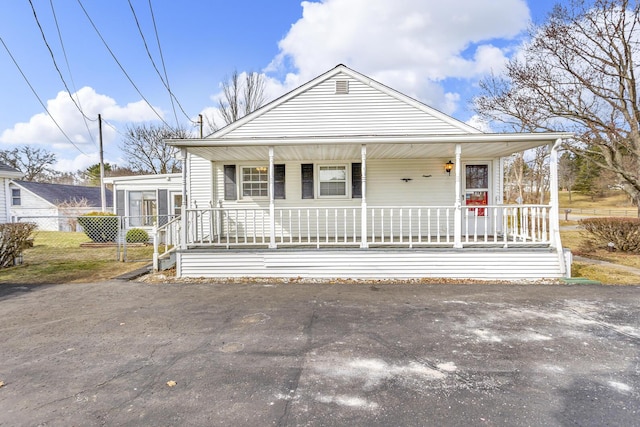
x=103, y=196
x=200, y=121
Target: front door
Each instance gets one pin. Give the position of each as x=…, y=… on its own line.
x=476, y=196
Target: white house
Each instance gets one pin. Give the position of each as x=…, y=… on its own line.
x=147, y=200
x=54, y=207
x=346, y=177
x=7, y=173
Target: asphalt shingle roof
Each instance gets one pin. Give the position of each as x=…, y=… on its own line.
x=7, y=168
x=61, y=193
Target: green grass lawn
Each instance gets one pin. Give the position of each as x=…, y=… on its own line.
x=58, y=257
x=613, y=200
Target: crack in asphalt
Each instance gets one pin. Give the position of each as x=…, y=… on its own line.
x=95, y=387
x=606, y=325
x=295, y=380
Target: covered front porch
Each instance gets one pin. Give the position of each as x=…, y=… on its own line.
x=372, y=226
x=382, y=227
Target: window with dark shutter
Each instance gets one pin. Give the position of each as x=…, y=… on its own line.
x=307, y=180
x=278, y=182
x=356, y=180
x=230, y=188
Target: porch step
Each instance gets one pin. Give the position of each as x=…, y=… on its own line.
x=166, y=262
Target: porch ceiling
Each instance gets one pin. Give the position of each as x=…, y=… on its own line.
x=378, y=147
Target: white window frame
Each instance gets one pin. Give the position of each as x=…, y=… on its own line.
x=487, y=189
x=16, y=194
x=144, y=218
x=242, y=182
x=175, y=204
x=347, y=180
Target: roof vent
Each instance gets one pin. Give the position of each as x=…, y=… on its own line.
x=342, y=86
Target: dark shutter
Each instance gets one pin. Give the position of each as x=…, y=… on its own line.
x=307, y=180
x=163, y=207
x=356, y=180
x=230, y=188
x=120, y=202
x=278, y=182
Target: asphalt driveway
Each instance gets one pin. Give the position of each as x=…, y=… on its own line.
x=128, y=353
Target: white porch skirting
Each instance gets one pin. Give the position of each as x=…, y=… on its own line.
x=477, y=263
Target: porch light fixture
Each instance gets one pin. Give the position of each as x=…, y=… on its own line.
x=448, y=167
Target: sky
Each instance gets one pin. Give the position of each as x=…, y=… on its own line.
x=81, y=58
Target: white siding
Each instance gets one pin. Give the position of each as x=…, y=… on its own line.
x=385, y=185
x=365, y=110
x=31, y=202
x=484, y=264
x=429, y=185
x=5, y=200
x=200, y=179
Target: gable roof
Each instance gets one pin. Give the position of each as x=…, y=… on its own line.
x=366, y=108
x=61, y=193
x=333, y=115
x=7, y=171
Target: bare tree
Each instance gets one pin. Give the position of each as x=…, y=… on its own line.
x=146, y=151
x=67, y=178
x=242, y=93
x=34, y=163
x=578, y=73
x=567, y=171
x=72, y=209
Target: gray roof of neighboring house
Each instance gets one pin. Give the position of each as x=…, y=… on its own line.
x=60, y=193
x=8, y=170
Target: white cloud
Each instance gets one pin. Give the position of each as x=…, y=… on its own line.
x=80, y=162
x=410, y=45
x=479, y=123
x=41, y=129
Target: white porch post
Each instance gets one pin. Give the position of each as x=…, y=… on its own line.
x=457, y=216
x=272, y=207
x=364, y=231
x=183, y=207
x=554, y=206
x=554, y=223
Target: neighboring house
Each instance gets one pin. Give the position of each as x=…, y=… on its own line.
x=7, y=173
x=147, y=200
x=345, y=177
x=54, y=207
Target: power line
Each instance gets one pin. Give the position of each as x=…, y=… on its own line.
x=105, y=121
x=166, y=76
x=39, y=99
x=120, y=65
x=73, y=83
x=146, y=47
x=165, y=81
x=55, y=64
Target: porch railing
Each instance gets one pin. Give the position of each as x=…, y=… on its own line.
x=166, y=239
x=417, y=226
